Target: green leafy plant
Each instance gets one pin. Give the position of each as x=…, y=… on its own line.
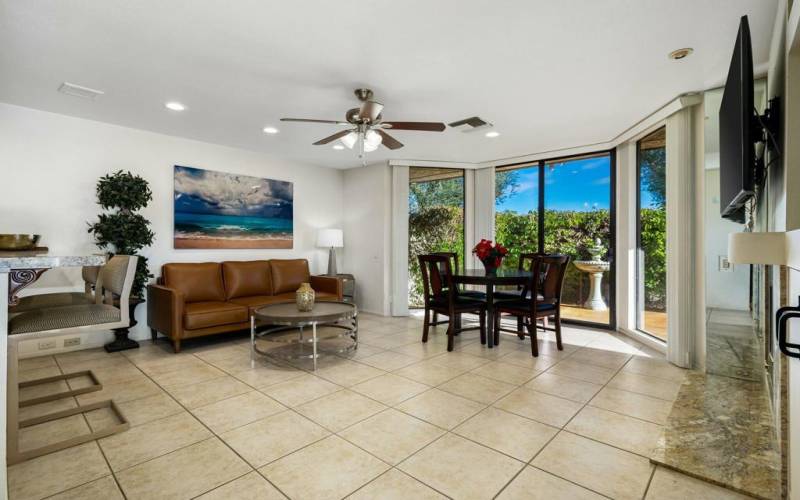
x=122, y=231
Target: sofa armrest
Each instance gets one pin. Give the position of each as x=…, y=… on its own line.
x=328, y=284
x=165, y=310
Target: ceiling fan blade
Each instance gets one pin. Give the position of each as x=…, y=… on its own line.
x=371, y=110
x=389, y=141
x=310, y=120
x=332, y=138
x=424, y=126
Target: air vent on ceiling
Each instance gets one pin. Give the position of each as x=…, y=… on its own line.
x=471, y=124
x=79, y=91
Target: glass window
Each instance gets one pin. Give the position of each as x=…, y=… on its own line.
x=435, y=220
x=651, y=260
x=563, y=206
x=516, y=217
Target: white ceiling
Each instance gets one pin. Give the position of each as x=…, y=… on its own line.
x=549, y=74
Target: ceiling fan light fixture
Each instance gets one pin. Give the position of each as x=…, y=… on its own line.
x=349, y=140
x=372, y=140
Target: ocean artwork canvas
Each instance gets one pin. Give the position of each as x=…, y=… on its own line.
x=222, y=210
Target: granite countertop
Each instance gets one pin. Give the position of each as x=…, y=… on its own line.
x=23, y=260
x=721, y=430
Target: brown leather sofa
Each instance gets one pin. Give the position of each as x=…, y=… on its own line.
x=197, y=299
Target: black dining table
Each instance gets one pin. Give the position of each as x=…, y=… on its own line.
x=502, y=277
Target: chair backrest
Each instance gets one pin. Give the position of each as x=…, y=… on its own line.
x=437, y=277
x=454, y=260
x=90, y=275
x=547, y=278
x=116, y=279
x=526, y=260
x=525, y=263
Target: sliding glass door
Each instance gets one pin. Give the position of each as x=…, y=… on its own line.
x=651, y=255
x=435, y=219
x=565, y=206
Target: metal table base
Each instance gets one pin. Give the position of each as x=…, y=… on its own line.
x=348, y=327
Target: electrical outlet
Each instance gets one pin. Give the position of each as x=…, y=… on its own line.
x=72, y=342
x=47, y=344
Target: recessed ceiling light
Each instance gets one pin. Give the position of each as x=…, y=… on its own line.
x=338, y=147
x=270, y=130
x=492, y=133
x=680, y=53
x=175, y=106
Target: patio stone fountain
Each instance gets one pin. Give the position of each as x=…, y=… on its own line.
x=595, y=269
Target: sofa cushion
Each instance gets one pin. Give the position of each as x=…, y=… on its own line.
x=213, y=313
x=198, y=282
x=246, y=278
x=288, y=274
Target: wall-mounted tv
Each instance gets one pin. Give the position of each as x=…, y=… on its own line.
x=737, y=131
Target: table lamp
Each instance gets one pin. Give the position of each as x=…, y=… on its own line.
x=771, y=249
x=331, y=239
x=757, y=248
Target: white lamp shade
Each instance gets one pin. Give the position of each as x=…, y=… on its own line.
x=329, y=238
x=372, y=139
x=757, y=248
x=349, y=140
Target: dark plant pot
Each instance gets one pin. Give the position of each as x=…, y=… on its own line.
x=121, y=341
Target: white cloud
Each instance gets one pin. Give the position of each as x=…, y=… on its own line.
x=231, y=193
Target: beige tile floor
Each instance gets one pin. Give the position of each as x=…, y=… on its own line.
x=396, y=419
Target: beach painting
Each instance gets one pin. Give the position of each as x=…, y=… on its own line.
x=221, y=210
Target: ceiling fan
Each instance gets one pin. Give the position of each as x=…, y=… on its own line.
x=366, y=128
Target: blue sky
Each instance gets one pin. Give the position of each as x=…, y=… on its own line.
x=570, y=185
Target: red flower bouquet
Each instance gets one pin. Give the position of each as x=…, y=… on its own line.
x=491, y=255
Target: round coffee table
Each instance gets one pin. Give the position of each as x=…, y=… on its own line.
x=341, y=317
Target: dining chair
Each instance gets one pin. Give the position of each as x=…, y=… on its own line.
x=442, y=297
x=542, y=301
x=525, y=262
x=109, y=311
x=475, y=294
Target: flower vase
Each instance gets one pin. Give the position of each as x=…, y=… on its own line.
x=305, y=297
x=490, y=265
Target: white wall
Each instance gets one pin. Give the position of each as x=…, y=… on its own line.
x=50, y=163
x=367, y=235
x=724, y=289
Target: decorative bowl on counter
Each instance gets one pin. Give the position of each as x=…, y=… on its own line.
x=18, y=241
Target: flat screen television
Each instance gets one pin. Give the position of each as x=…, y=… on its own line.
x=737, y=157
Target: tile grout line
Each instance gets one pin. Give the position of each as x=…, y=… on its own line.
x=563, y=429
x=649, y=482
x=390, y=406
x=214, y=435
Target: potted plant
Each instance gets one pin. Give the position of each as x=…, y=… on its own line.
x=120, y=230
x=491, y=255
